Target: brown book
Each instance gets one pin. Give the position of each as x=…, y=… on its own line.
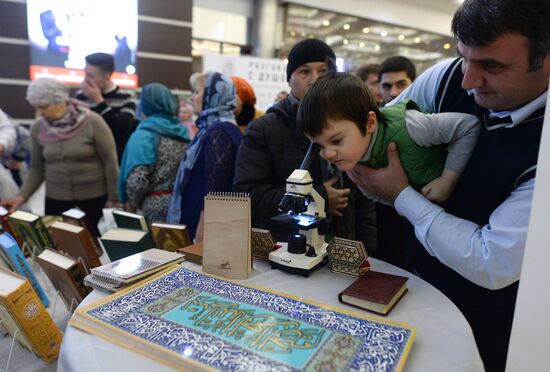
x=5, y=224
x=67, y=276
x=170, y=237
x=76, y=241
x=375, y=291
x=193, y=253
x=77, y=217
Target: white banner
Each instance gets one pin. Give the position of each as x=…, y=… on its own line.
x=266, y=76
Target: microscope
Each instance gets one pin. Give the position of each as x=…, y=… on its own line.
x=302, y=209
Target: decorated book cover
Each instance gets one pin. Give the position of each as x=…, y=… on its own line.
x=192, y=320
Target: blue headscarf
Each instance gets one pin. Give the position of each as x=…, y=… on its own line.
x=160, y=106
x=219, y=101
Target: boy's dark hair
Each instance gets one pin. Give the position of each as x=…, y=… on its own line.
x=336, y=96
x=398, y=63
x=364, y=72
x=104, y=61
x=480, y=22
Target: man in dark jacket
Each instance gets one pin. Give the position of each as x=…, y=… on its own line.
x=273, y=147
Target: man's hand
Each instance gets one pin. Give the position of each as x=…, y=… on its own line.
x=385, y=182
x=337, y=198
x=13, y=204
x=91, y=91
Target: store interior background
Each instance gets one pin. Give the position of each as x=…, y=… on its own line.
x=174, y=37
x=175, y=34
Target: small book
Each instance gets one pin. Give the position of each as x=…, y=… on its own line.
x=193, y=253
x=375, y=291
x=137, y=266
x=77, y=217
x=170, y=237
x=76, y=241
x=30, y=316
x=227, y=250
x=120, y=243
x=31, y=230
x=67, y=276
x=13, y=253
x=128, y=220
x=6, y=226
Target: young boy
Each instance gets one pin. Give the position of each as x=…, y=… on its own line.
x=340, y=115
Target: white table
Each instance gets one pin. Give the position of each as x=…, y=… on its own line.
x=444, y=340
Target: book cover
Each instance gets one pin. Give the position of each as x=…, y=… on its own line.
x=223, y=325
x=120, y=243
x=193, y=253
x=31, y=230
x=77, y=217
x=137, y=266
x=262, y=243
x=18, y=297
x=226, y=245
x=9, y=246
x=11, y=327
x=170, y=237
x=5, y=222
x=75, y=241
x=66, y=275
x=127, y=220
x=375, y=291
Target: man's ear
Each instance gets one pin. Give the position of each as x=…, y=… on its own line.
x=372, y=121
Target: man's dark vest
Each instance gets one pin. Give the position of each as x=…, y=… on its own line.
x=502, y=159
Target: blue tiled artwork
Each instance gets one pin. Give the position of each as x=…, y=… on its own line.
x=235, y=327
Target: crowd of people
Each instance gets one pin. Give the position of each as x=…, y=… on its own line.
x=434, y=174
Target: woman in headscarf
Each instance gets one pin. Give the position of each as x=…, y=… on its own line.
x=209, y=162
x=245, y=111
x=152, y=155
x=186, y=118
x=73, y=150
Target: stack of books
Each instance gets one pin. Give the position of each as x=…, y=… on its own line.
x=117, y=275
x=131, y=236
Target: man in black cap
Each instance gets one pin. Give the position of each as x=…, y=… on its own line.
x=272, y=148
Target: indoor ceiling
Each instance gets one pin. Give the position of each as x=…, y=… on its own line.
x=361, y=41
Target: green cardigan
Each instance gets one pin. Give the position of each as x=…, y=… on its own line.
x=82, y=167
x=421, y=164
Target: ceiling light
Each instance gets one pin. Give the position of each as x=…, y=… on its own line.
x=346, y=26
x=366, y=30
x=303, y=34
x=345, y=41
x=384, y=33
x=292, y=33
x=401, y=37
x=377, y=47
x=446, y=46
x=326, y=22
x=362, y=45
x=285, y=61
x=417, y=40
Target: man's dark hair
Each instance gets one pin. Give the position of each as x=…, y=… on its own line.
x=104, y=61
x=336, y=96
x=364, y=72
x=396, y=64
x=480, y=22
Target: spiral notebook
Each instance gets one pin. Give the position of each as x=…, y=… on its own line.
x=227, y=227
x=136, y=266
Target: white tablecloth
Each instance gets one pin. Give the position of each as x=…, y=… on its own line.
x=444, y=340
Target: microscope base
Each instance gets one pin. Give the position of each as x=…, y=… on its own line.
x=297, y=263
